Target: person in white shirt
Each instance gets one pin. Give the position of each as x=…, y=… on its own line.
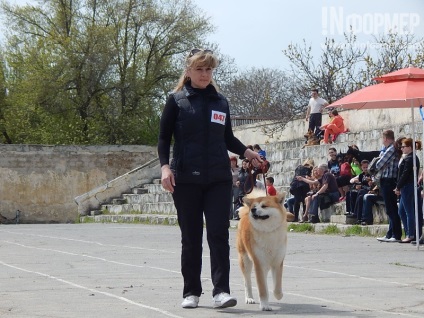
x=314, y=112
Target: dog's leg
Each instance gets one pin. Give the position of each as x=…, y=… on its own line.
x=277, y=276
x=246, y=266
x=261, y=277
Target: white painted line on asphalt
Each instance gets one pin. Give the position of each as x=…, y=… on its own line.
x=92, y=257
x=323, y=300
x=89, y=242
x=172, y=252
x=164, y=312
x=349, y=275
x=369, y=310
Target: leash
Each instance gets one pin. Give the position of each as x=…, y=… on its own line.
x=252, y=177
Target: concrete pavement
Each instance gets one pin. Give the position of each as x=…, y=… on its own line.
x=133, y=270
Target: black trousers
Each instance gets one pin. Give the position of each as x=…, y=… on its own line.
x=192, y=201
x=387, y=185
x=315, y=121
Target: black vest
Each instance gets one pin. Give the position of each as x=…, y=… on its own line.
x=200, y=153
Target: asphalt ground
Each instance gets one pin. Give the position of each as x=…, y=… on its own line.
x=122, y=270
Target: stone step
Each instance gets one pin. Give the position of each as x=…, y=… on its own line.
x=132, y=218
x=153, y=188
x=139, y=190
x=157, y=181
x=117, y=201
x=147, y=198
x=166, y=208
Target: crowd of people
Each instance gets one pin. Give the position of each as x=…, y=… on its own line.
x=344, y=178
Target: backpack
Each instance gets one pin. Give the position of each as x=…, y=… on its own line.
x=346, y=169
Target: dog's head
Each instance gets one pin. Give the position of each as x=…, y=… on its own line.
x=266, y=213
x=309, y=134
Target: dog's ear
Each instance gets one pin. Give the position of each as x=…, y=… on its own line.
x=247, y=201
x=280, y=197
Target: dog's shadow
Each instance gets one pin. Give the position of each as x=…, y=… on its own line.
x=301, y=309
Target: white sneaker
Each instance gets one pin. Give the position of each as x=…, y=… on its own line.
x=190, y=302
x=382, y=239
x=392, y=239
x=224, y=300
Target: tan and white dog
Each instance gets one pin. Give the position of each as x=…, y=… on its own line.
x=261, y=243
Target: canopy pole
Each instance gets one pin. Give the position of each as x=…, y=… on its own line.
x=414, y=160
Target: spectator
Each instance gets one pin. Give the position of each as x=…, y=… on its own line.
x=235, y=190
x=243, y=177
x=388, y=167
x=364, y=204
x=405, y=189
x=336, y=126
x=258, y=149
x=333, y=162
x=361, y=186
x=299, y=189
x=356, y=166
x=420, y=211
x=328, y=191
x=270, y=186
x=314, y=112
x=343, y=180
x=313, y=189
x=289, y=205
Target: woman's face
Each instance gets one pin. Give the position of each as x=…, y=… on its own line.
x=201, y=76
x=233, y=163
x=244, y=165
x=405, y=149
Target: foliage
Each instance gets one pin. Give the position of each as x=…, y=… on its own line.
x=357, y=230
x=93, y=72
x=301, y=227
x=331, y=229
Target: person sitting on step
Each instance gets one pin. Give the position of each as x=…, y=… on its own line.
x=328, y=191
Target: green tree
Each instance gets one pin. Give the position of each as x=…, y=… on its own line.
x=95, y=71
x=3, y=102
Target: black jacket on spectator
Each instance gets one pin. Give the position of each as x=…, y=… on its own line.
x=405, y=172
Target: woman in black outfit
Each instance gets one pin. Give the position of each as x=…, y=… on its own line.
x=199, y=175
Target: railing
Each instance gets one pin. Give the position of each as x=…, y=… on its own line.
x=237, y=120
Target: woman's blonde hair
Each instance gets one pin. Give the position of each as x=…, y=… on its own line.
x=197, y=58
x=309, y=162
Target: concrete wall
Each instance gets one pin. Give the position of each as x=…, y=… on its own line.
x=356, y=120
x=42, y=181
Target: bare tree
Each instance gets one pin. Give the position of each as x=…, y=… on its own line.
x=334, y=73
x=263, y=94
x=391, y=52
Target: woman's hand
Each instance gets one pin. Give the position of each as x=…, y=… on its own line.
x=253, y=157
x=167, y=179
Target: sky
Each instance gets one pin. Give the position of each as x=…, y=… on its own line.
x=254, y=32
